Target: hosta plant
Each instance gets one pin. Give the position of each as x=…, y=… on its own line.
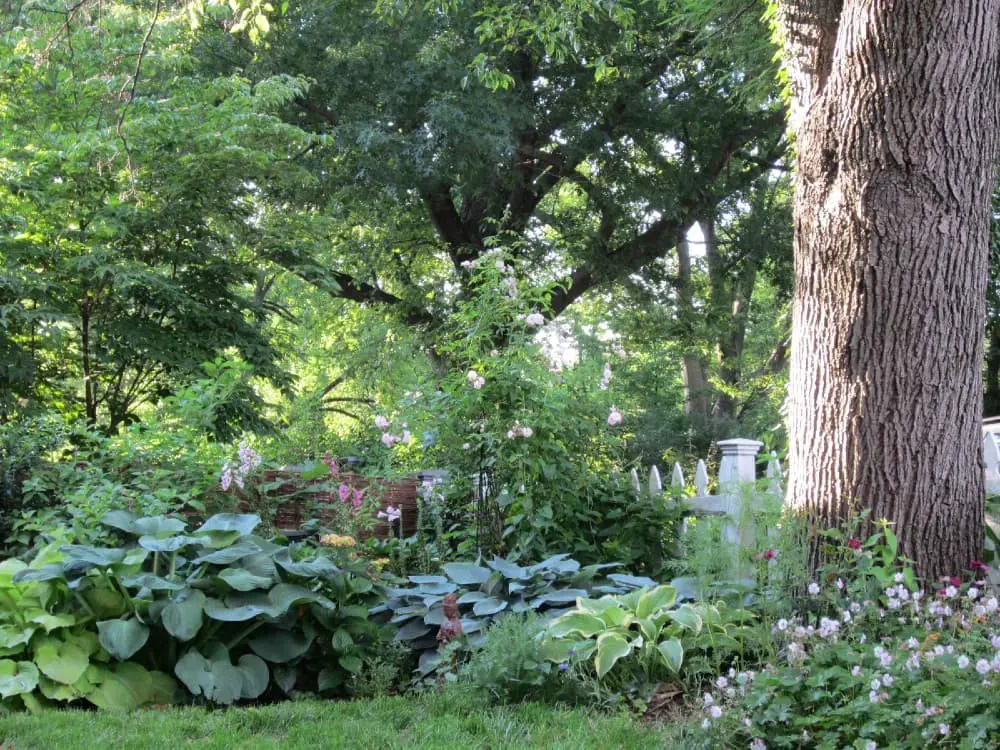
x=229, y=613
x=643, y=636
x=50, y=651
x=487, y=592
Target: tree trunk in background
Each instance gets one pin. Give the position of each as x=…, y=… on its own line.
x=697, y=391
x=895, y=108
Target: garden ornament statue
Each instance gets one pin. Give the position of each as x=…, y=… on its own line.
x=451, y=628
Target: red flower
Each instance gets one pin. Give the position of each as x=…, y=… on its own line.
x=979, y=565
x=854, y=543
x=768, y=554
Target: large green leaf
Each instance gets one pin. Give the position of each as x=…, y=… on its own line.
x=244, y=580
x=577, y=622
x=564, y=649
x=244, y=523
x=280, y=646
x=120, y=519
x=610, y=648
x=654, y=600
x=466, y=574
x=151, y=582
x=62, y=661
x=489, y=606
x=672, y=652
x=122, y=638
x=158, y=526
x=103, y=557
x=243, y=610
x=255, y=676
x=165, y=544
x=686, y=617
x=14, y=637
x=53, y=622
x=17, y=677
x=228, y=555
x=182, y=617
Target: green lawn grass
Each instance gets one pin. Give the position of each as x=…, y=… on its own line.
x=443, y=720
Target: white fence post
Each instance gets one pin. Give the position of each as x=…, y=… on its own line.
x=737, y=467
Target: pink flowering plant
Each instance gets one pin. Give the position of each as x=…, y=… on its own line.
x=543, y=438
x=870, y=658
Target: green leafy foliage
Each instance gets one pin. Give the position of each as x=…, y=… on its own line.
x=642, y=637
x=488, y=592
x=228, y=612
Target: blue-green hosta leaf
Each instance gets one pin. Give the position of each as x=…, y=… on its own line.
x=466, y=574
x=672, y=652
x=165, y=544
x=654, y=600
x=583, y=623
x=610, y=648
x=17, y=677
x=279, y=646
x=472, y=626
x=158, y=526
x=103, y=557
x=438, y=588
x=557, y=564
x=435, y=616
x=120, y=519
x=255, y=676
x=415, y=628
x=151, y=582
x=228, y=555
x=244, y=580
x=244, y=523
x=632, y=582
x=489, y=606
x=285, y=677
x=509, y=569
x=261, y=565
x=122, y=638
x=182, y=617
x=242, y=611
x=284, y=595
x=428, y=579
x=559, y=596
x=321, y=566
x=471, y=597
x=429, y=661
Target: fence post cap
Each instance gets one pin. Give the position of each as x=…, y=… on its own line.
x=740, y=446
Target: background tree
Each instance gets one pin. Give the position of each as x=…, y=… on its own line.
x=895, y=108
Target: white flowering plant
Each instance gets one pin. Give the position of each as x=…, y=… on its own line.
x=863, y=666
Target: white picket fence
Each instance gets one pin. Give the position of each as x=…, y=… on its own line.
x=737, y=467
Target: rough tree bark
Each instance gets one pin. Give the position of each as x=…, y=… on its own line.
x=895, y=107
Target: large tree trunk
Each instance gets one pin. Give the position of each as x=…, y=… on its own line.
x=895, y=106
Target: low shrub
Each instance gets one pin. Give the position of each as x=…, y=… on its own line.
x=487, y=592
x=636, y=640
x=228, y=613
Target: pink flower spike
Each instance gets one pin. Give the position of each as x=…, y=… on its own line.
x=344, y=491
